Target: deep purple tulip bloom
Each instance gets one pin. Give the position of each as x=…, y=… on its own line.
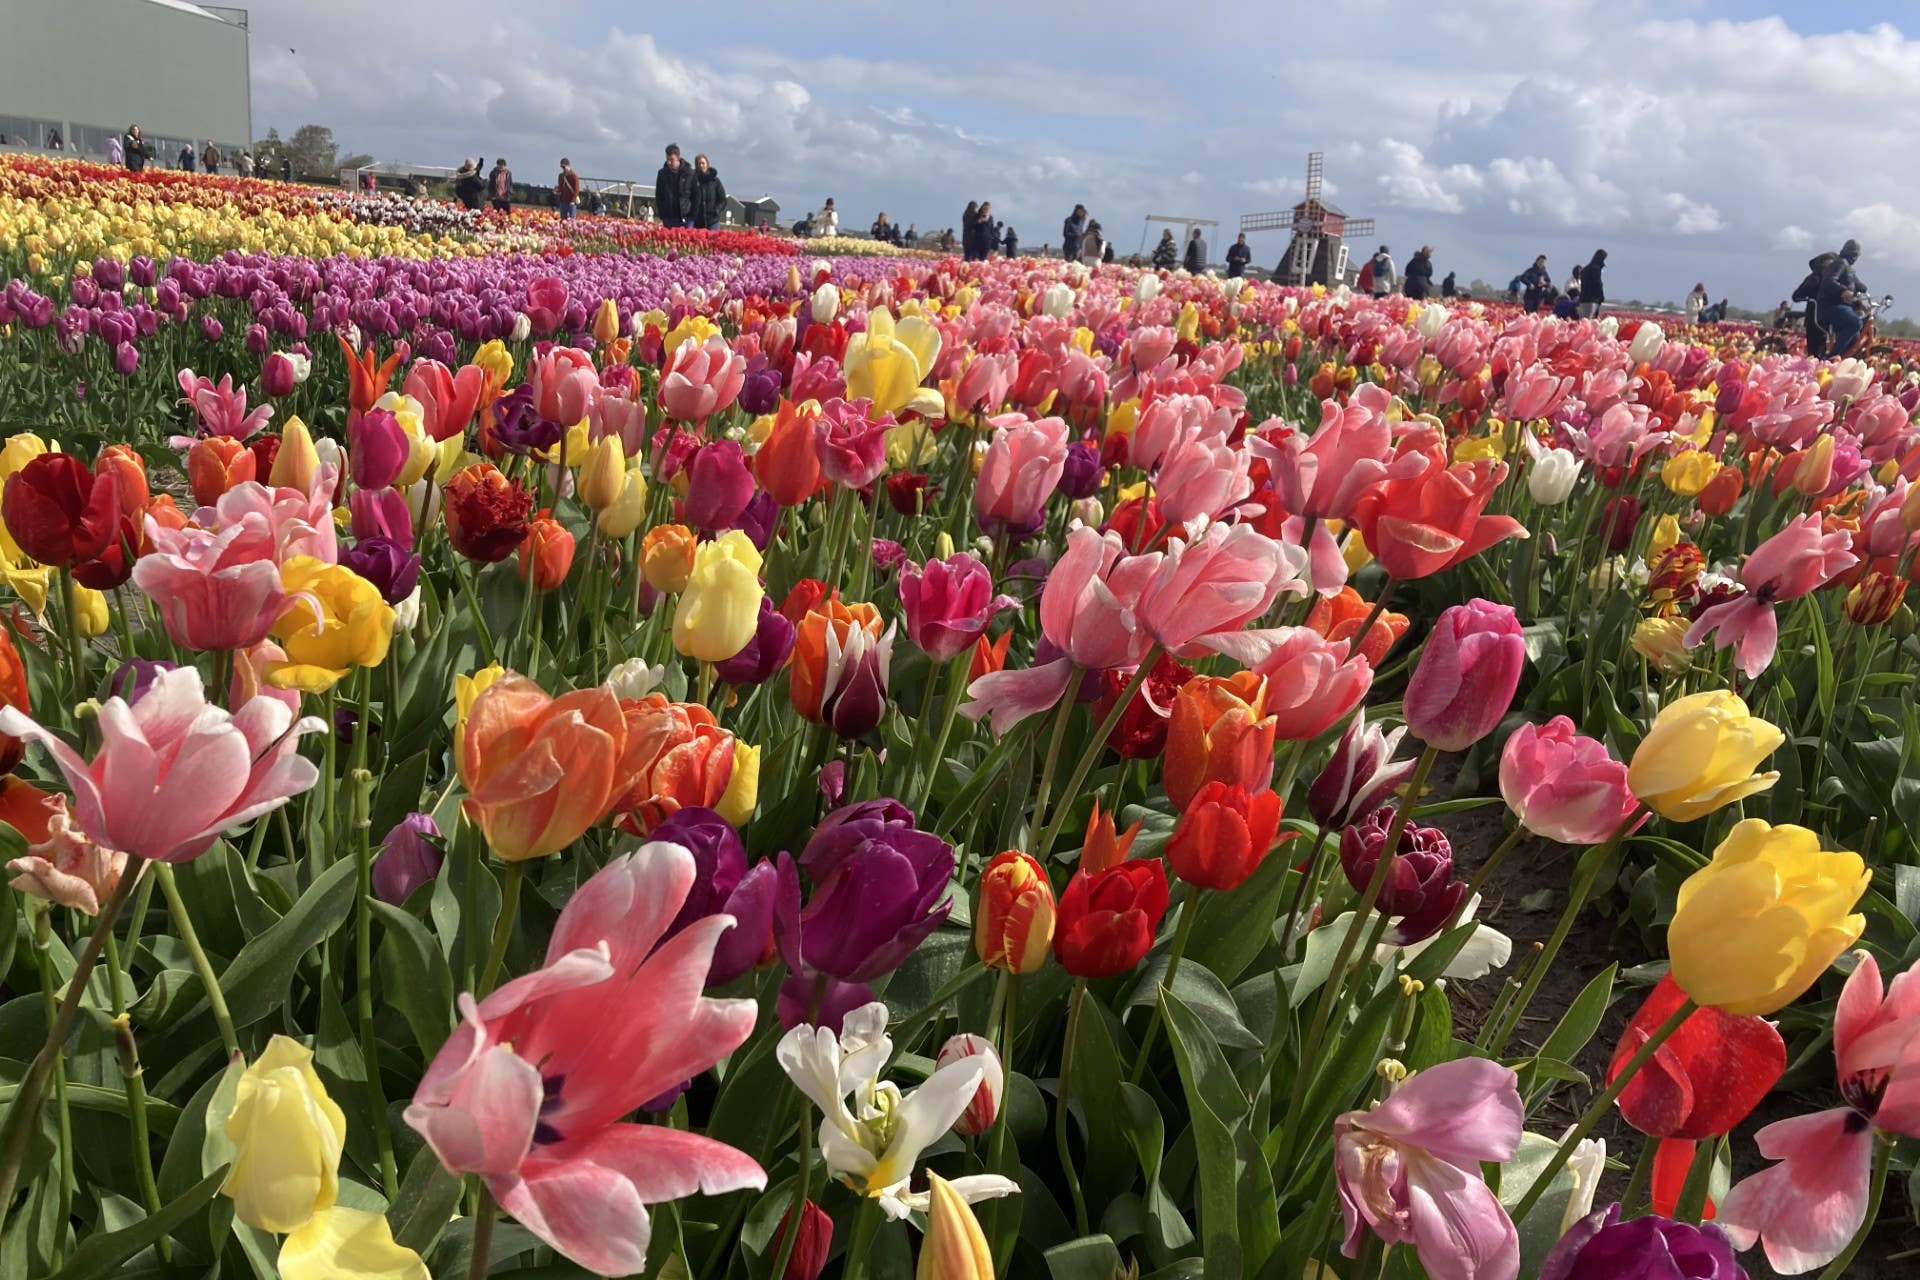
x=109, y=274
x=126, y=360
x=765, y=654
x=390, y=567
x=132, y=678
x=83, y=292
x=140, y=271
x=409, y=857
x=518, y=426
x=820, y=1000
x=878, y=884
x=757, y=521
x=1360, y=776
x=1082, y=476
x=211, y=329
x=760, y=392
x=719, y=486
x=1601, y=1247
x=1420, y=887
x=722, y=884
x=257, y=340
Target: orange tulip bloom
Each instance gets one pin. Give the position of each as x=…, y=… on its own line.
x=216, y=464
x=1013, y=928
x=677, y=757
x=808, y=683
x=13, y=693
x=787, y=464
x=1721, y=492
x=1338, y=617
x=129, y=472
x=1217, y=733
x=666, y=557
x=27, y=809
x=989, y=656
x=1102, y=848
x=546, y=553
x=539, y=771
x=367, y=380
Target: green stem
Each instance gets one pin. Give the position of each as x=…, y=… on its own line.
x=1060, y=1110
x=1598, y=1107
x=1093, y=748
x=183, y=922
x=133, y=1079
x=49, y=982
x=76, y=657
x=1301, y=890
x=1882, y=1155
x=473, y=608
x=363, y=948
x=503, y=926
x=797, y=1211
x=329, y=774
x=1044, y=792
x=1188, y=915
x=482, y=1256
x=1641, y=1178
x=866, y=1219
x=996, y=1160
x=956, y=692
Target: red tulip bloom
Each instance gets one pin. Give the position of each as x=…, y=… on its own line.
x=59, y=512
x=486, y=513
x=1106, y=920
x=1425, y=516
x=1223, y=836
x=367, y=376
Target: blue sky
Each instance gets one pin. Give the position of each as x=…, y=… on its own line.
x=1713, y=140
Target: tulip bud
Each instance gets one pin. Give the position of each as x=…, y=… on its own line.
x=826, y=304
x=1646, y=344
x=603, y=474
x=1875, y=598
x=276, y=375
x=1056, y=300
x=546, y=554
x=1224, y=835
x=1014, y=924
x=298, y=462
x=1815, y=473
x=377, y=449
x=1552, y=476
x=984, y=1108
x=1700, y=754
x=955, y=1248
x=606, y=322
x=666, y=557
x=1466, y=677
x=720, y=600
x=129, y=472
x=287, y=1135
x=1419, y=885
x=408, y=858
x=809, y=1256
x=1721, y=492
x=1662, y=642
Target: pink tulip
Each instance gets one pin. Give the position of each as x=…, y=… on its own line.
x=1408, y=1170
x=278, y=377
x=1171, y=419
x=565, y=385
x=222, y=407
x=1535, y=392
x=377, y=448
x=1023, y=465
x=701, y=379
x=1148, y=348
x=447, y=400
x=948, y=604
x=850, y=442
x=983, y=383
x=380, y=513
x=1089, y=612
x=174, y=770
x=1311, y=683
x=1202, y=593
x=530, y=1089
x=1793, y=562
x=1324, y=474
x=1082, y=380
x=1562, y=785
x=1806, y=1208
x=1201, y=478
x=216, y=590
x=250, y=676
x=67, y=868
x=719, y=486
x=1467, y=675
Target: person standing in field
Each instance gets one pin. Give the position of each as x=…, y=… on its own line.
x=673, y=190
x=500, y=186
x=566, y=190
x=1238, y=256
x=709, y=194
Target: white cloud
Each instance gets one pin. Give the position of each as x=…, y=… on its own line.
x=1794, y=238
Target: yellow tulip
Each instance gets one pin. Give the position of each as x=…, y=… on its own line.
x=1355, y=553
x=721, y=604
x=955, y=1248
x=1661, y=641
x=602, y=474
x=910, y=445
x=696, y=327
x=1083, y=340
x=287, y=1137
x=21, y=448
x=1123, y=417
x=494, y=357
x=28, y=580
x=348, y=1244
x=89, y=610
x=743, y=788
x=353, y=627
x=298, y=462
x=1758, y=925
x=465, y=690
x=1666, y=533
x=1187, y=327
x=882, y=368
x=627, y=510
x=1700, y=754
x=606, y=322
x=1686, y=474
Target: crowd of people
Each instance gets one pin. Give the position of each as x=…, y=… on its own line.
x=133, y=150
x=1584, y=294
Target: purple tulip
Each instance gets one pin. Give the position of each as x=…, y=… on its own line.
x=722, y=884
x=390, y=567
x=132, y=678
x=257, y=340
x=879, y=884
x=518, y=426
x=125, y=359
x=759, y=518
x=820, y=1000
x=1360, y=776
x=1467, y=675
x=211, y=329
x=760, y=393
x=1082, y=476
x=1601, y=1247
x=381, y=513
x=83, y=292
x=1420, y=886
x=719, y=486
x=765, y=654
x=409, y=858
x=109, y=274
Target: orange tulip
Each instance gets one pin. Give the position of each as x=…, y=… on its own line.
x=13, y=693
x=216, y=464
x=666, y=557
x=810, y=677
x=677, y=757
x=1338, y=617
x=27, y=809
x=367, y=380
x=165, y=512
x=540, y=770
x=989, y=656
x=129, y=472
x=1102, y=848
x=787, y=464
x=1218, y=734
x=1718, y=497
x=1013, y=928
x=546, y=553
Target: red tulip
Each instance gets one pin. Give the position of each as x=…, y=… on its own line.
x=1223, y=836
x=1107, y=919
x=59, y=512
x=486, y=513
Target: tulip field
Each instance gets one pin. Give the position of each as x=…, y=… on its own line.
x=545, y=750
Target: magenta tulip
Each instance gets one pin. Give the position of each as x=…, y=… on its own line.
x=1467, y=675
x=1562, y=785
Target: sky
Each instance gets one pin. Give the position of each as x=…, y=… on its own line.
x=1720, y=141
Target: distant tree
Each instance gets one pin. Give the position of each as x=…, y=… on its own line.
x=314, y=151
x=355, y=161
x=268, y=150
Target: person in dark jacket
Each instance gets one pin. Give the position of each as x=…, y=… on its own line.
x=709, y=202
x=970, y=231
x=1533, y=282
x=989, y=232
x=286, y=168
x=1238, y=256
x=468, y=185
x=1071, y=232
x=1840, y=295
x=1447, y=288
x=566, y=190
x=1194, y=257
x=134, y=150
x=673, y=190
x=882, y=229
x=1593, y=292
x=912, y=238
x=1166, y=253
x=1417, y=283
x=1106, y=254
x=1819, y=339
x=1010, y=243
x=500, y=186
x=186, y=157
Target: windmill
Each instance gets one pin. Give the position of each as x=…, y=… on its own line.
x=1318, y=252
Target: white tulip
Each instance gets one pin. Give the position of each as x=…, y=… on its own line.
x=634, y=679
x=302, y=367
x=521, y=326
x=826, y=304
x=1850, y=378
x=1551, y=477
x=1146, y=289
x=1432, y=320
x=1646, y=344
x=407, y=612
x=1056, y=300
x=1608, y=327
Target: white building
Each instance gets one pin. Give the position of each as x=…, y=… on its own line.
x=90, y=68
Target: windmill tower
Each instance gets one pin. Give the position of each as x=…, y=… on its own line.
x=1317, y=253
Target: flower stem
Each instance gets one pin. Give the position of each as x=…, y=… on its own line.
x=133, y=1078
x=1302, y=890
x=26, y=1098
x=797, y=1211
x=183, y=921
x=1061, y=715
x=363, y=948
x=1882, y=1155
x=502, y=927
x=1060, y=1109
x=482, y=1256
x=956, y=691
x=1598, y=1107
x=1188, y=915
x=865, y=1221
x=1092, y=751
x=473, y=608
x=49, y=982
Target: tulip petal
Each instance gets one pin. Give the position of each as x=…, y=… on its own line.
x=1805, y=1208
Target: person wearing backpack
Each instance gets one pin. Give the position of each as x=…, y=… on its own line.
x=566, y=190
x=1840, y=292
x=1381, y=283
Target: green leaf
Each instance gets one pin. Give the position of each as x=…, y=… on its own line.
x=9, y=924
x=414, y=977
x=1202, y=992
x=1088, y=1258
x=1540, y=1229
x=1431, y=1041
x=102, y=1254
x=1235, y=927
x=256, y=982
x=425, y=1203
x=1098, y=1070
x=1582, y=1018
